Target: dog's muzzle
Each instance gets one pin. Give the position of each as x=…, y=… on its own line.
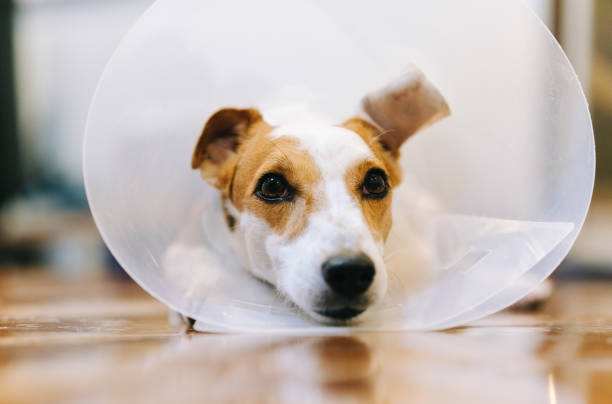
x=349, y=277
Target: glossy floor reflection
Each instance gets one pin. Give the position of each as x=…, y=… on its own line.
x=101, y=341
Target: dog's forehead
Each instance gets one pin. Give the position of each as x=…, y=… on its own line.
x=333, y=148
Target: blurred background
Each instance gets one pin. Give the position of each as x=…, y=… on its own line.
x=52, y=53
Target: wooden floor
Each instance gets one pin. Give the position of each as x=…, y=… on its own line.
x=105, y=341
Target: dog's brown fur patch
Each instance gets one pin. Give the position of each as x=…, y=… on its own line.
x=376, y=212
x=260, y=155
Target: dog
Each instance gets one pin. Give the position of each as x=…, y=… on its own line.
x=308, y=202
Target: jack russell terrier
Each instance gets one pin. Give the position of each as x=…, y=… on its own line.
x=309, y=202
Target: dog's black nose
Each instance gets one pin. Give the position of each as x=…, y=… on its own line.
x=349, y=275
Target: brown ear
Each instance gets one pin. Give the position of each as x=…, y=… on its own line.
x=219, y=141
x=404, y=106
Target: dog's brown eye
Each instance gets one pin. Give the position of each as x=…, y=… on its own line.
x=375, y=184
x=273, y=188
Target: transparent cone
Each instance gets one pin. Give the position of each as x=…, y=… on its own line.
x=493, y=196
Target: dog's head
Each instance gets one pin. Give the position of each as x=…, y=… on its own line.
x=310, y=202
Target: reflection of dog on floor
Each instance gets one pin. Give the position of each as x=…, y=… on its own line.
x=309, y=202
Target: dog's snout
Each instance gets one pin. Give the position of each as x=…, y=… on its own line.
x=349, y=275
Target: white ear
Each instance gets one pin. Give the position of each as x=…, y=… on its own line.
x=406, y=105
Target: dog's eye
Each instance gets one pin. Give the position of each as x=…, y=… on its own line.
x=273, y=188
x=375, y=184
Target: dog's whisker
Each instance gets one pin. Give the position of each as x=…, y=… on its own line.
x=381, y=134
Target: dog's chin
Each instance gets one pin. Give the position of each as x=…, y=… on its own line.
x=340, y=312
x=344, y=316
x=330, y=309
